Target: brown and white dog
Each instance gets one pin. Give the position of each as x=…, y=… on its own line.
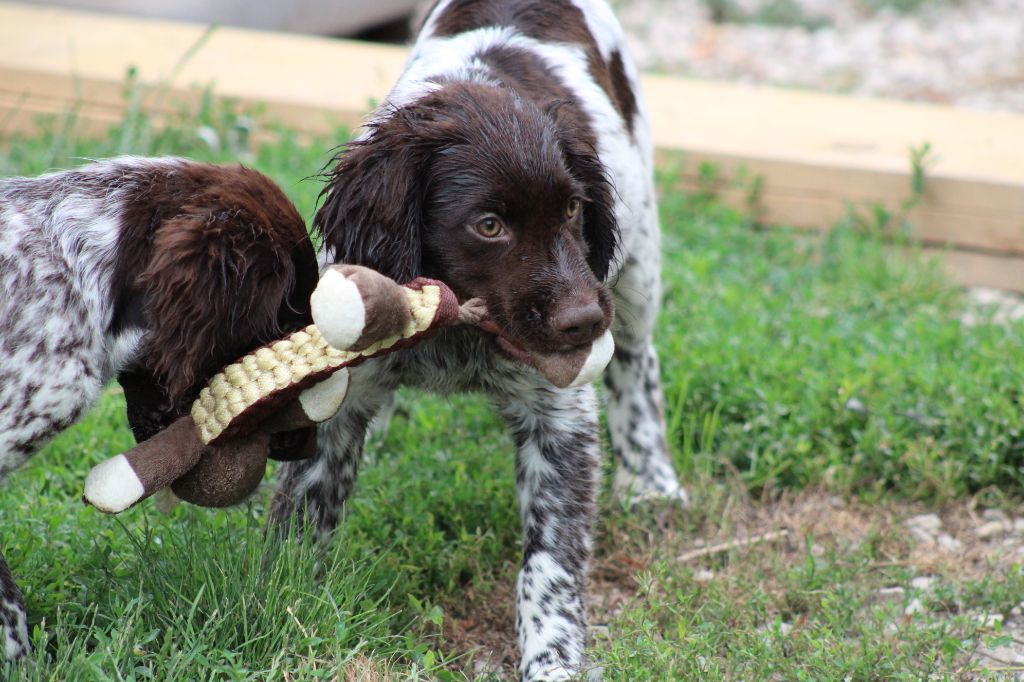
x=154, y=271
x=513, y=161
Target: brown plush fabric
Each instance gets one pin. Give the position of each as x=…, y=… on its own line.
x=385, y=302
x=225, y=475
x=169, y=454
x=288, y=418
x=227, y=472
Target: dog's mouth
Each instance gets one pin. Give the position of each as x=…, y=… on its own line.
x=569, y=366
x=511, y=348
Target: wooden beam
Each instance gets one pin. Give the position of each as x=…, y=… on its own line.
x=972, y=214
x=982, y=269
x=50, y=55
x=815, y=153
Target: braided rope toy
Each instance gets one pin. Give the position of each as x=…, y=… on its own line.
x=254, y=386
x=217, y=455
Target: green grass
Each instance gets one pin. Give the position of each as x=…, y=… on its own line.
x=770, y=13
x=785, y=13
x=904, y=6
x=773, y=339
x=786, y=365
x=818, y=620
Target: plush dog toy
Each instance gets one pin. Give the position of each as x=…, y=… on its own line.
x=217, y=455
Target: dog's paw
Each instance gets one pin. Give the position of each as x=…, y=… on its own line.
x=553, y=673
x=14, y=630
x=632, y=490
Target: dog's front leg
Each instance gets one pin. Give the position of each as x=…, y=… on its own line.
x=557, y=468
x=311, y=492
x=13, y=627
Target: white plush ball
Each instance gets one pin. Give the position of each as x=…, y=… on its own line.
x=338, y=310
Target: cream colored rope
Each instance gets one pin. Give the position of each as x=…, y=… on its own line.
x=284, y=363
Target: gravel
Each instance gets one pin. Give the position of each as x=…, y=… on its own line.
x=964, y=52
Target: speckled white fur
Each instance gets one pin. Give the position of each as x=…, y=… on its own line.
x=15, y=634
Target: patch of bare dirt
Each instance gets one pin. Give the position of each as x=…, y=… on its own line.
x=483, y=628
x=959, y=541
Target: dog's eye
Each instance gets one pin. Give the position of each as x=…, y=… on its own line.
x=489, y=227
x=573, y=209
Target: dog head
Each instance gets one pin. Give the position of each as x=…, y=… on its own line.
x=490, y=193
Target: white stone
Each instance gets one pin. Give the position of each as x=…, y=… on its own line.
x=990, y=620
x=924, y=527
x=1001, y=656
x=703, y=575
x=930, y=521
x=923, y=582
x=889, y=594
x=991, y=529
x=995, y=515
x=915, y=606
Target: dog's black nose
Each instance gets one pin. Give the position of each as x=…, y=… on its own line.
x=578, y=323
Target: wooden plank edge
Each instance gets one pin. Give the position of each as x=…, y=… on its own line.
x=981, y=269
x=978, y=216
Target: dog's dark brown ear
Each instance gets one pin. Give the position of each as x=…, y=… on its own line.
x=600, y=229
x=372, y=213
x=213, y=291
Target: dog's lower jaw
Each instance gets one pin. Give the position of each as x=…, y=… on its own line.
x=514, y=351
